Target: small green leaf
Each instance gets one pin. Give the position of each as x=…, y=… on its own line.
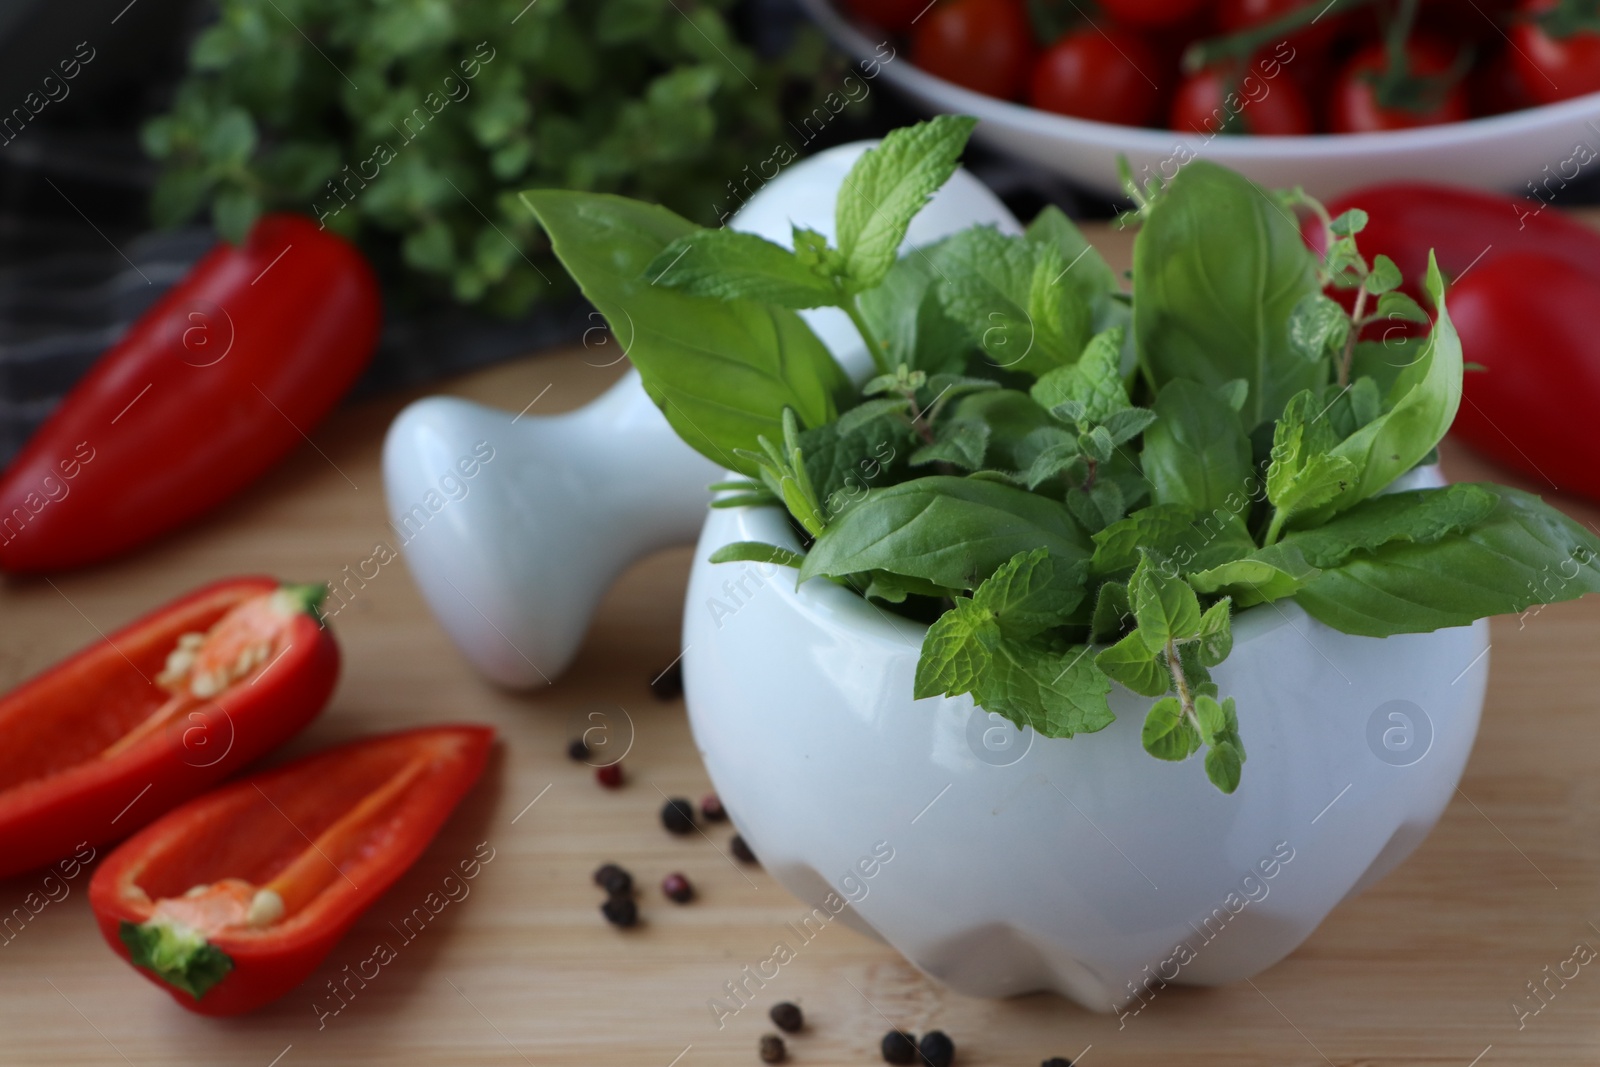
x=886, y=188
x=1265, y=575
x=1168, y=734
x=233, y=212
x=1090, y=390
x=1397, y=305
x=1131, y=662
x=961, y=442
x=179, y=956
x=756, y=552
x=1059, y=694
x=1031, y=592
x=1385, y=276
x=1165, y=606
x=1318, y=326
x=956, y=650
x=1224, y=762
x=1216, y=633
x=1349, y=223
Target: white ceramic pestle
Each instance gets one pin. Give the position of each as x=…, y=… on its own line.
x=513, y=557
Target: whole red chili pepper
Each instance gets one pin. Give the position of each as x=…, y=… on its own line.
x=231, y=901
x=208, y=389
x=157, y=713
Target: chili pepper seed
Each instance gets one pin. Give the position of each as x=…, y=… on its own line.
x=677, y=888
x=772, y=1050
x=711, y=808
x=614, y=880
x=937, y=1049
x=742, y=850
x=899, y=1047
x=787, y=1016
x=620, y=911
x=609, y=776
x=677, y=815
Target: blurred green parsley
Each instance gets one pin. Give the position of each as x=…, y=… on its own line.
x=411, y=125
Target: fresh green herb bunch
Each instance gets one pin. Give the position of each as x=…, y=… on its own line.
x=1076, y=485
x=421, y=118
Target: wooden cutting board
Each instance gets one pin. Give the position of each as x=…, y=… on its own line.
x=1422, y=969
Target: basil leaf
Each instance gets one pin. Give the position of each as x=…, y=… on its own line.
x=1523, y=552
x=1420, y=516
x=1085, y=270
x=721, y=372
x=886, y=188
x=729, y=265
x=1131, y=662
x=1196, y=453
x=1265, y=575
x=1112, y=611
x=1219, y=267
x=756, y=552
x=1059, y=694
x=1168, y=734
x=1165, y=607
x=956, y=650
x=1031, y=592
x=953, y=532
x=1422, y=404
x=906, y=316
x=998, y=288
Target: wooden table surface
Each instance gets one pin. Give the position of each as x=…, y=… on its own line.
x=1422, y=969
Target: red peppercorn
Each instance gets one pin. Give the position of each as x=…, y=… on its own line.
x=677, y=888
x=609, y=776
x=711, y=808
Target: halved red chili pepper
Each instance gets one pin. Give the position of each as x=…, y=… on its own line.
x=231, y=901
x=157, y=713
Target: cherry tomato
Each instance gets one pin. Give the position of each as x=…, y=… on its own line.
x=1553, y=68
x=1356, y=109
x=982, y=45
x=1495, y=87
x=1151, y=14
x=1270, y=107
x=1106, y=74
x=895, y=16
x=1524, y=317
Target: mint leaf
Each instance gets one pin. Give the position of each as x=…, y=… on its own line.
x=886, y=188
x=1125, y=425
x=1031, y=592
x=995, y=287
x=1112, y=611
x=956, y=650
x=179, y=956
x=1523, y=552
x=960, y=442
x=1165, y=607
x=729, y=265
x=1059, y=694
x=1420, y=516
x=756, y=552
x=1168, y=734
x=1159, y=528
x=1085, y=271
x=1318, y=326
x=906, y=315
x=954, y=532
x=1304, y=474
x=1131, y=662
x=1089, y=391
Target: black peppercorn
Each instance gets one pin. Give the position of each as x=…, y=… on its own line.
x=899, y=1047
x=772, y=1050
x=786, y=1016
x=614, y=880
x=668, y=684
x=577, y=751
x=937, y=1049
x=677, y=815
x=711, y=808
x=620, y=911
x=677, y=888
x=742, y=850
x=1056, y=1061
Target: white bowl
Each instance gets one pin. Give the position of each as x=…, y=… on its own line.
x=1502, y=152
x=1002, y=863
